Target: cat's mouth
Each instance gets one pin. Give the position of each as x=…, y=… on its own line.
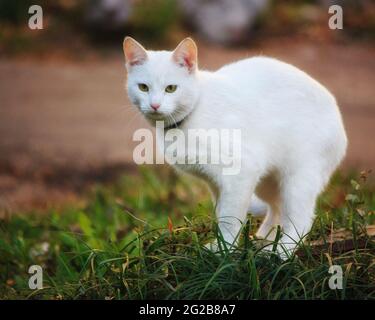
x=156, y=116
x=169, y=120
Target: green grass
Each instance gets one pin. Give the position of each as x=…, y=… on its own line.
x=122, y=245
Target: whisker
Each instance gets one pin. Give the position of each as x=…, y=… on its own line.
x=132, y=118
x=173, y=119
x=123, y=109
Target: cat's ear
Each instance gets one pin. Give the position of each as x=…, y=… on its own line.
x=134, y=53
x=186, y=54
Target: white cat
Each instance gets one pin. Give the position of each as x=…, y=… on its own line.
x=293, y=136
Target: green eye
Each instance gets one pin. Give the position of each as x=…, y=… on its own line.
x=143, y=87
x=171, y=88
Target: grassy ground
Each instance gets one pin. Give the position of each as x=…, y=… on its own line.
x=143, y=238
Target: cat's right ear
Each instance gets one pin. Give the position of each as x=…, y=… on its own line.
x=134, y=53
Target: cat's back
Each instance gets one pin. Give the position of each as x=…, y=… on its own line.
x=260, y=66
x=269, y=75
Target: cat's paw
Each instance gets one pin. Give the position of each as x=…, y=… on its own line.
x=284, y=252
x=216, y=248
x=213, y=246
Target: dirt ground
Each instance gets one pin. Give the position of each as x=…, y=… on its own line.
x=67, y=124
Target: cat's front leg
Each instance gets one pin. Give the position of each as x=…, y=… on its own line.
x=231, y=209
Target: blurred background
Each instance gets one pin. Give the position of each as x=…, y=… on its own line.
x=66, y=123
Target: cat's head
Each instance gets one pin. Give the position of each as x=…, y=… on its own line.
x=162, y=84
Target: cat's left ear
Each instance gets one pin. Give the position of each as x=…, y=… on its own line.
x=186, y=54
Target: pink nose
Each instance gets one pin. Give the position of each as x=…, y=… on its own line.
x=155, y=106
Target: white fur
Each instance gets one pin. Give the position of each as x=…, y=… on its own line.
x=293, y=137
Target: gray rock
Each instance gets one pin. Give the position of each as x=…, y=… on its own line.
x=223, y=21
x=108, y=14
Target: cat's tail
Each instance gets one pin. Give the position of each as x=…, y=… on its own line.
x=257, y=208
